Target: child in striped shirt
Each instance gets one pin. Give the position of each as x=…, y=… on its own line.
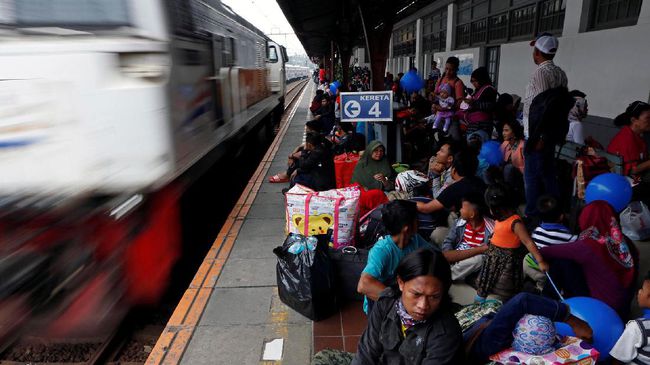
x=549, y=233
x=468, y=239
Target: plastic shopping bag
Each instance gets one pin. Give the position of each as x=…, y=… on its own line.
x=305, y=279
x=635, y=221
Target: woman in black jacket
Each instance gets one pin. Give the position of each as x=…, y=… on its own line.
x=415, y=323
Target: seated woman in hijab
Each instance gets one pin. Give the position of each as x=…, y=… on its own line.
x=602, y=263
x=374, y=171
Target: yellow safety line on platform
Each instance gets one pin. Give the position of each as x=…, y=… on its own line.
x=176, y=336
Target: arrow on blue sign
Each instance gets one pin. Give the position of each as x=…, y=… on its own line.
x=369, y=106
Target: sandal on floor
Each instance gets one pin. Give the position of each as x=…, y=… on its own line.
x=277, y=179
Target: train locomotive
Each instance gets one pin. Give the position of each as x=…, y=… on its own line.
x=110, y=112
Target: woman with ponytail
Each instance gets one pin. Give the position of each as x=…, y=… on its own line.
x=628, y=142
x=630, y=145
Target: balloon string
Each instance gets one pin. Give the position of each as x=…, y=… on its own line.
x=554, y=287
x=550, y=280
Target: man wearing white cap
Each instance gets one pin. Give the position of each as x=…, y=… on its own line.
x=540, y=171
x=547, y=75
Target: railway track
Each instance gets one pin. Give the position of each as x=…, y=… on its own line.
x=131, y=342
x=293, y=91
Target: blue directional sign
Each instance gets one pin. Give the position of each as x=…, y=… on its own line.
x=367, y=106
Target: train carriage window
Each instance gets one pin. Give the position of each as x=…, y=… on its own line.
x=285, y=58
x=216, y=81
x=228, y=52
x=180, y=17
x=68, y=13
x=217, y=52
x=273, y=54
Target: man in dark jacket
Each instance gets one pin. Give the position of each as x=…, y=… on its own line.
x=436, y=341
x=315, y=167
x=323, y=118
x=413, y=322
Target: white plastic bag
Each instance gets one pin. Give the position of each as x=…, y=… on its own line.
x=635, y=221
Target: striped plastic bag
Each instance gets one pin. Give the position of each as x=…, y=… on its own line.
x=310, y=213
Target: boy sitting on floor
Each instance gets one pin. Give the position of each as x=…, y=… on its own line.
x=400, y=218
x=468, y=240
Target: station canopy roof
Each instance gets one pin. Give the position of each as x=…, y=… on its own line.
x=318, y=22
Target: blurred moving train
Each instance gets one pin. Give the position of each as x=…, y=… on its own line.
x=109, y=111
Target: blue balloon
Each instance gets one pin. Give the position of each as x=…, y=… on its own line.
x=491, y=153
x=333, y=89
x=612, y=188
x=337, y=83
x=564, y=329
x=411, y=82
x=605, y=323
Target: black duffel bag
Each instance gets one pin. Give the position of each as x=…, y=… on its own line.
x=305, y=280
x=348, y=262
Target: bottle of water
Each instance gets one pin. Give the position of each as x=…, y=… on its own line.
x=296, y=248
x=312, y=242
x=293, y=238
x=296, y=243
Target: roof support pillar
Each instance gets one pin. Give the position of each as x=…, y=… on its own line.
x=377, y=41
x=451, y=27
x=346, y=54
x=328, y=66
x=419, y=58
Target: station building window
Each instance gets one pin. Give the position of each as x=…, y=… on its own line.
x=492, y=22
x=434, y=32
x=605, y=14
x=492, y=55
x=404, y=40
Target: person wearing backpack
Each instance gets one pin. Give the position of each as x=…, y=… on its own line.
x=546, y=110
x=400, y=219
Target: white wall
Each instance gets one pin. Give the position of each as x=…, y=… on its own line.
x=515, y=66
x=400, y=64
x=476, y=52
x=610, y=66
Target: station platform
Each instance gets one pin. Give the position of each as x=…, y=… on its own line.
x=232, y=309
